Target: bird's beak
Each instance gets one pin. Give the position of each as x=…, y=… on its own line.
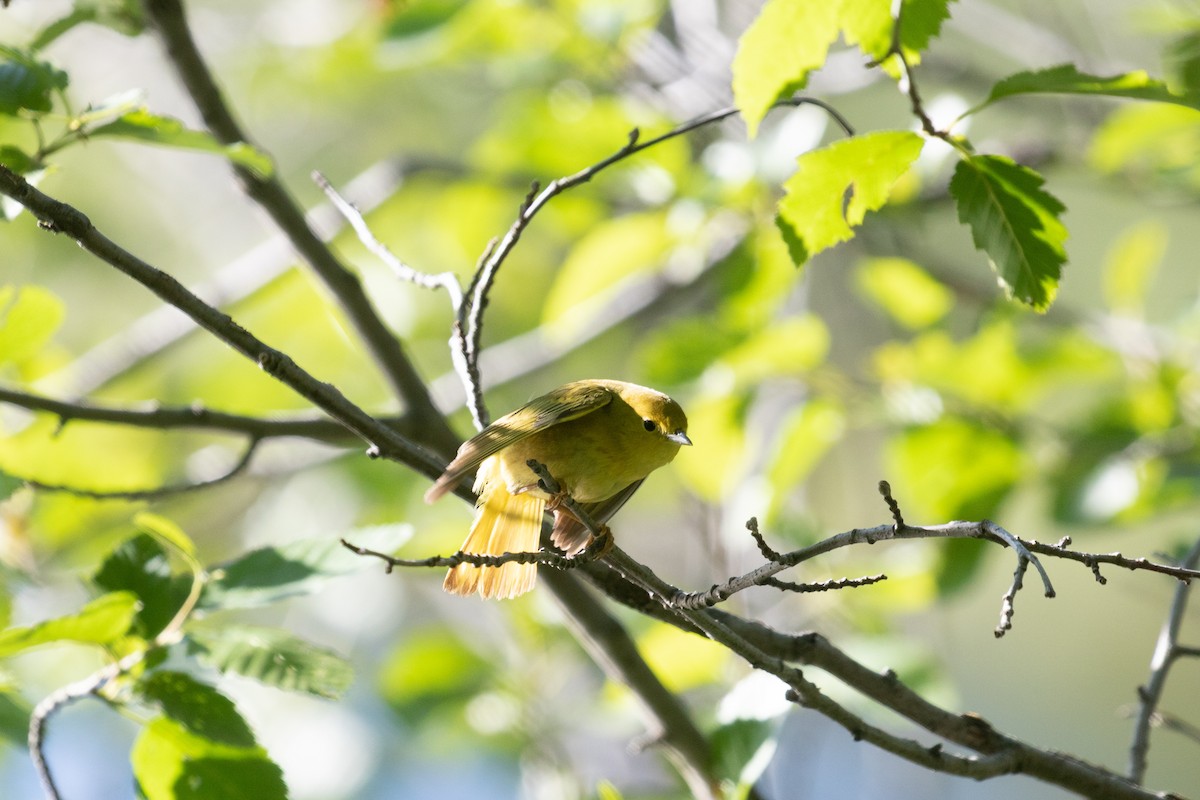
x=679, y=437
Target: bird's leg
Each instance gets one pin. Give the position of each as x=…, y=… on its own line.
x=601, y=543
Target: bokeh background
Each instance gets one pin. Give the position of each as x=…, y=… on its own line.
x=893, y=356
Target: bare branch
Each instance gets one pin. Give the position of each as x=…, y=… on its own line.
x=59, y=217
x=1166, y=651
x=195, y=416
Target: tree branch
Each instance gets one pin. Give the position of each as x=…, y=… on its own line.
x=195, y=416
x=167, y=17
x=1165, y=652
x=60, y=217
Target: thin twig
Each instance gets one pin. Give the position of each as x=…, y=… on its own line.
x=151, y=493
x=194, y=417
x=427, y=280
x=1166, y=650
x=469, y=320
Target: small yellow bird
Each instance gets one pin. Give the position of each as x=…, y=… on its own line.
x=599, y=439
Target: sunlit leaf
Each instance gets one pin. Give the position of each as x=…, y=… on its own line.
x=767, y=274
x=610, y=253
x=270, y=574
x=172, y=763
x=869, y=25
x=273, y=657
x=607, y=791
x=683, y=660
x=1067, y=79
x=711, y=470
x=166, y=531
x=102, y=621
x=140, y=565
x=1161, y=139
x=803, y=438
x=142, y=125
x=790, y=347
x=681, y=351
x=786, y=42
x=429, y=670
x=954, y=469
x=1131, y=264
x=834, y=187
x=1015, y=222
x=29, y=316
x=198, y=707
x=905, y=291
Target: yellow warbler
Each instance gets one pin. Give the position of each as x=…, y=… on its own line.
x=599, y=439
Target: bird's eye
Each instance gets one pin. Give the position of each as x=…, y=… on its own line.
x=649, y=425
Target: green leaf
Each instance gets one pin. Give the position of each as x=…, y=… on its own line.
x=719, y=423
x=613, y=251
x=27, y=84
x=834, y=188
x=273, y=657
x=29, y=316
x=922, y=22
x=1015, y=222
x=140, y=565
x=741, y=749
x=789, y=347
x=1131, y=264
x=271, y=574
x=430, y=670
x=954, y=469
x=1182, y=58
x=122, y=16
x=680, y=351
x=8, y=485
x=869, y=25
x=14, y=718
x=141, y=125
x=171, y=762
x=102, y=621
x=905, y=291
x=18, y=160
x=1159, y=139
x=786, y=42
x=416, y=19
x=803, y=438
x=1067, y=79
x=198, y=707
x=167, y=531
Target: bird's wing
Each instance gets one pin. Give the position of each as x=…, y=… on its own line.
x=564, y=403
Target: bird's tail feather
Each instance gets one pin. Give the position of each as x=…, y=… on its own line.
x=504, y=523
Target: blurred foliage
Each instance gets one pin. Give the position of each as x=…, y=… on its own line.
x=819, y=302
